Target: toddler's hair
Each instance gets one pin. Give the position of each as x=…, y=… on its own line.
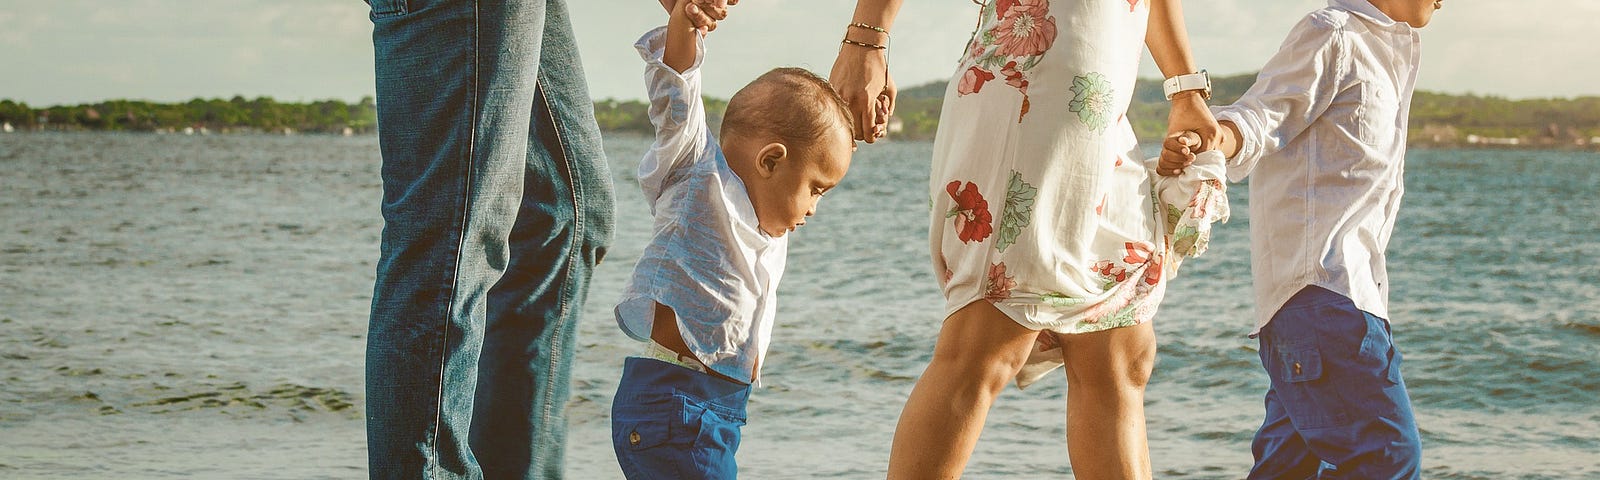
x=790, y=103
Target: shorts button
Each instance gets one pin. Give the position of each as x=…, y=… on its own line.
x=633, y=437
x=1296, y=372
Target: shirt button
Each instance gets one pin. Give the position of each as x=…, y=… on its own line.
x=633, y=437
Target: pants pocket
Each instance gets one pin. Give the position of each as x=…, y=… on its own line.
x=1297, y=375
x=715, y=446
x=652, y=448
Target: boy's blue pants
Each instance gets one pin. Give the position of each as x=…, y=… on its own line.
x=670, y=422
x=1337, y=407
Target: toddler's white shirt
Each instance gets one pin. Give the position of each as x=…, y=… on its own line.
x=707, y=259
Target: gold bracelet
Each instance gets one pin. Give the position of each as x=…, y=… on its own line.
x=873, y=46
x=870, y=27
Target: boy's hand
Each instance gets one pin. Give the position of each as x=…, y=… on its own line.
x=702, y=14
x=1177, y=153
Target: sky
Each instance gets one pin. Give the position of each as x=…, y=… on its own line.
x=78, y=51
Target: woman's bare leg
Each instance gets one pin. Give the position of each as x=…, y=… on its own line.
x=1106, y=375
x=979, y=350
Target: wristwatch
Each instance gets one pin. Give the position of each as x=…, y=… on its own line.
x=1192, y=81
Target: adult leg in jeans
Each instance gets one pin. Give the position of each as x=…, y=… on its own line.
x=456, y=84
x=562, y=228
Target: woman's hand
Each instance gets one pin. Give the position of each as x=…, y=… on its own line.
x=703, y=14
x=861, y=76
x=1189, y=114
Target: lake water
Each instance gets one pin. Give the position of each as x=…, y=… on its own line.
x=195, y=307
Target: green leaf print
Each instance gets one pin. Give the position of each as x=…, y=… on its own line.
x=1059, y=300
x=1092, y=100
x=1018, y=211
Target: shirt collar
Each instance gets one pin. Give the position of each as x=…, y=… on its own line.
x=1367, y=10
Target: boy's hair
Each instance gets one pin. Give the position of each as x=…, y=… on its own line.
x=790, y=103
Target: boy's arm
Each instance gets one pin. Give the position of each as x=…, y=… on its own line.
x=1293, y=90
x=683, y=38
x=676, y=110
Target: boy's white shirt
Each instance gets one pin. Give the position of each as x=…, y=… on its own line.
x=707, y=258
x=1323, y=138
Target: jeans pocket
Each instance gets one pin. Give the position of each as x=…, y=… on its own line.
x=388, y=8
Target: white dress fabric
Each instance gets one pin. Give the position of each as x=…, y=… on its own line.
x=1037, y=205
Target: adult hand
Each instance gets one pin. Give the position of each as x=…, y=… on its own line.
x=703, y=14
x=861, y=75
x=1189, y=114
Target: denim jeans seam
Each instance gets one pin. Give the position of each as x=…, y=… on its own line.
x=466, y=218
x=577, y=222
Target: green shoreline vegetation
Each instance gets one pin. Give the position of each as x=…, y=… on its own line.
x=1437, y=119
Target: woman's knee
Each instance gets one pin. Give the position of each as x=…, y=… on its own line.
x=1121, y=360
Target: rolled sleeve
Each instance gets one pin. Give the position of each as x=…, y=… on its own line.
x=676, y=111
x=1294, y=88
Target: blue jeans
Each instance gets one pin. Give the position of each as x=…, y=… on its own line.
x=497, y=204
x=1337, y=407
x=673, y=423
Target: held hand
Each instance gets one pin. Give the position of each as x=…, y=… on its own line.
x=861, y=77
x=1189, y=114
x=702, y=14
x=1177, y=153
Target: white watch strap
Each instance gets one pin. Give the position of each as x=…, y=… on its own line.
x=1181, y=83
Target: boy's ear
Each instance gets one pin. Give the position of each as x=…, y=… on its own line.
x=770, y=157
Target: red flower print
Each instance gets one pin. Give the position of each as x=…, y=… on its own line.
x=1014, y=77
x=1111, y=270
x=1024, y=28
x=1000, y=284
x=973, y=222
x=1002, y=6
x=1138, y=253
x=972, y=81
x=1152, y=272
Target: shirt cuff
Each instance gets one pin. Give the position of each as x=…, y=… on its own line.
x=652, y=46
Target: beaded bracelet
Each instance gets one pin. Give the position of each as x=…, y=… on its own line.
x=873, y=46
x=870, y=27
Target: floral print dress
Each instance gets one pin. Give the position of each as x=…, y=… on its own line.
x=1037, y=205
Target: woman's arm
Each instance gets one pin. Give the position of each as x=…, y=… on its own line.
x=1168, y=41
x=861, y=74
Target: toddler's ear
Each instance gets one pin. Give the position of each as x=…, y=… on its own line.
x=770, y=157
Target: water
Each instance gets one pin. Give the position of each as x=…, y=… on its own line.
x=195, y=307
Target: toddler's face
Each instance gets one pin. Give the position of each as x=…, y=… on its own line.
x=784, y=200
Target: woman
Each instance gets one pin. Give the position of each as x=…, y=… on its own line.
x=1042, y=232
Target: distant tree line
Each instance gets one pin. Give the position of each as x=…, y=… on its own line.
x=236, y=114
x=1436, y=118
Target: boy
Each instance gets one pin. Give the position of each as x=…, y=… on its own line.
x=702, y=294
x=1324, y=130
